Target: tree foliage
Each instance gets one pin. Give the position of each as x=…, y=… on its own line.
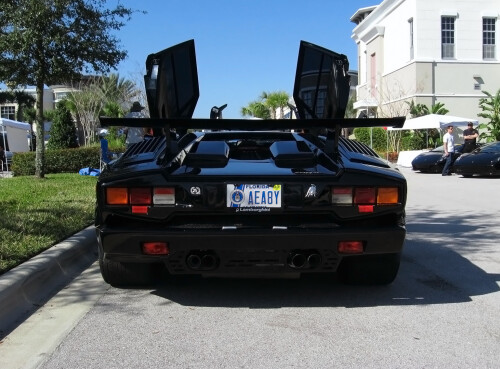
x=107, y=95
x=490, y=107
x=63, y=129
x=267, y=105
x=55, y=41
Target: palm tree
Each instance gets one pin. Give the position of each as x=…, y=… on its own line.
x=118, y=90
x=256, y=109
x=439, y=109
x=267, y=105
x=490, y=107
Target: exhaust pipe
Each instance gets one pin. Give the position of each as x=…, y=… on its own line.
x=202, y=260
x=297, y=261
x=208, y=261
x=304, y=259
x=314, y=260
x=193, y=261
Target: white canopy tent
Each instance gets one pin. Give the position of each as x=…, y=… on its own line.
x=431, y=121
x=14, y=135
x=17, y=132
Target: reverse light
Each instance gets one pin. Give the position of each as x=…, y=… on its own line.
x=164, y=196
x=155, y=248
x=350, y=247
x=342, y=195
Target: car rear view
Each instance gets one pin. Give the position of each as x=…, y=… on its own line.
x=231, y=197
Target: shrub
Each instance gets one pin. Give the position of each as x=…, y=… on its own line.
x=57, y=161
x=379, y=137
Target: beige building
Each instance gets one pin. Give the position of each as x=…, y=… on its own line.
x=51, y=96
x=427, y=51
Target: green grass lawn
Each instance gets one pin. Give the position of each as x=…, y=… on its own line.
x=36, y=213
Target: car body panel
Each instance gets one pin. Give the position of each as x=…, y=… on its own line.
x=484, y=161
x=433, y=161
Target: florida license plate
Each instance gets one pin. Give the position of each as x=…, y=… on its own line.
x=254, y=196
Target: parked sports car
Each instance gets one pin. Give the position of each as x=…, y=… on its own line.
x=433, y=161
x=484, y=161
x=234, y=197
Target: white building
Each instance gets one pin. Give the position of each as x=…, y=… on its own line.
x=427, y=51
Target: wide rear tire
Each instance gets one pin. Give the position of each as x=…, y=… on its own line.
x=125, y=274
x=369, y=269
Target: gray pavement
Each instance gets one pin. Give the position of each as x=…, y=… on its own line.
x=28, y=286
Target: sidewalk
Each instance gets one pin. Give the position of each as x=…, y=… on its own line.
x=28, y=286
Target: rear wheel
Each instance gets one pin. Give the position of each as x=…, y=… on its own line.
x=369, y=269
x=125, y=274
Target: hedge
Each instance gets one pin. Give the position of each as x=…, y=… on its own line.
x=57, y=161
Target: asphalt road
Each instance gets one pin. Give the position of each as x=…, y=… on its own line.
x=443, y=310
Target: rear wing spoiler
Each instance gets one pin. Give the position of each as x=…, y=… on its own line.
x=333, y=126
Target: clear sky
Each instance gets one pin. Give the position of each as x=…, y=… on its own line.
x=242, y=47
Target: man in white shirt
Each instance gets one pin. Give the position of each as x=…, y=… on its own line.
x=449, y=149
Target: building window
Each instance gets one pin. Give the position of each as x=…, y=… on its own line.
x=8, y=112
x=410, y=22
x=448, y=37
x=489, y=38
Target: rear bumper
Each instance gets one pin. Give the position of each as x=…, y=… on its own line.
x=247, y=252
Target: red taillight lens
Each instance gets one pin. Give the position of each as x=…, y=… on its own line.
x=364, y=195
x=350, y=247
x=117, y=196
x=155, y=248
x=140, y=196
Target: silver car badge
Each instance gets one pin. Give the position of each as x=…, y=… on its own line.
x=196, y=191
x=311, y=192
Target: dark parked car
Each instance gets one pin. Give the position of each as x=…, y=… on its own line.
x=433, y=161
x=234, y=197
x=484, y=161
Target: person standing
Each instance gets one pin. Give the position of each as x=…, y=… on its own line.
x=134, y=134
x=3, y=158
x=470, y=136
x=449, y=149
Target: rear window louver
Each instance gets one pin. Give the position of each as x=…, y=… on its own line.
x=146, y=145
x=356, y=147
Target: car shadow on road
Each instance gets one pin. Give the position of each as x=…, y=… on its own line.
x=416, y=284
x=433, y=271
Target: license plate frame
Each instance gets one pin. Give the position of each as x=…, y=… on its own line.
x=253, y=196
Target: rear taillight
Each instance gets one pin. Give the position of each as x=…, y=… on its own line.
x=365, y=197
x=140, y=198
x=117, y=196
x=164, y=196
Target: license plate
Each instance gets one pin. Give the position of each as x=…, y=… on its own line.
x=253, y=196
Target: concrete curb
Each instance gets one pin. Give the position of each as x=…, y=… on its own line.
x=26, y=287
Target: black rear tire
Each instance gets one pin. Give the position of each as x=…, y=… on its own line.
x=120, y=274
x=369, y=269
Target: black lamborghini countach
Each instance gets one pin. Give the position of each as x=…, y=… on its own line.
x=249, y=198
